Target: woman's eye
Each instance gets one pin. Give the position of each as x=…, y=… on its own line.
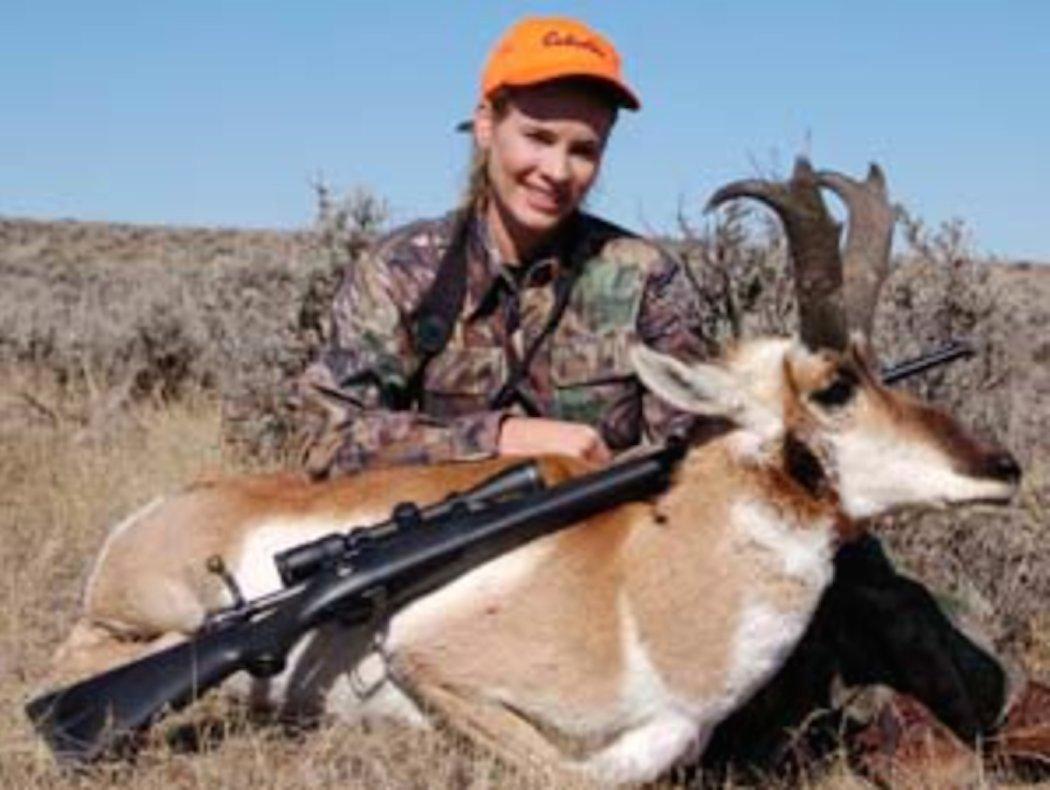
x=538, y=136
x=837, y=393
x=588, y=153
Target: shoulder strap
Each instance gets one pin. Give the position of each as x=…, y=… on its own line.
x=436, y=316
x=434, y=319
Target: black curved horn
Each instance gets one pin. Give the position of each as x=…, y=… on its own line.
x=813, y=238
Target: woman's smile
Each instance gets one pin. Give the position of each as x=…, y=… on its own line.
x=545, y=201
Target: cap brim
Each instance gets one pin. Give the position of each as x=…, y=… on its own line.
x=618, y=92
x=621, y=95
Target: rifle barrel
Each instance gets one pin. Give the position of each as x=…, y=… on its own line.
x=956, y=349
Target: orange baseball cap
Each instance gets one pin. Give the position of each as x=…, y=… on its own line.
x=538, y=49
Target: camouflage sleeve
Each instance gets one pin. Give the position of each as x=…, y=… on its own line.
x=351, y=398
x=669, y=321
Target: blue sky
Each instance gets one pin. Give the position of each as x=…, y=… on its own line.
x=221, y=113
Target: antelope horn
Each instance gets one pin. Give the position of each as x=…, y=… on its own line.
x=813, y=237
x=869, y=236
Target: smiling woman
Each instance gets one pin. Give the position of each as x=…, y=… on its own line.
x=502, y=328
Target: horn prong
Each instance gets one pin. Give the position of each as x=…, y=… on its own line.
x=869, y=236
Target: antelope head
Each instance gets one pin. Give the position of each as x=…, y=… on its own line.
x=815, y=405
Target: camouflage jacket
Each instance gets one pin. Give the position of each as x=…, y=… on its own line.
x=628, y=290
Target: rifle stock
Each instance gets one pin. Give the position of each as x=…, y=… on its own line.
x=88, y=718
x=79, y=723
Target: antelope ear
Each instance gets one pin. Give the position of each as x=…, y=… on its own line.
x=698, y=388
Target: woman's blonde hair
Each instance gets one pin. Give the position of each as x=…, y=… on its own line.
x=478, y=186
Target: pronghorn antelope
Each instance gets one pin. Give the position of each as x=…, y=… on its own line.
x=616, y=646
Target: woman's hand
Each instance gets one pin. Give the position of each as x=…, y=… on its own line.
x=538, y=436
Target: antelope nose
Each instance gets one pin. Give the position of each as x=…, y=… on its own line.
x=1003, y=466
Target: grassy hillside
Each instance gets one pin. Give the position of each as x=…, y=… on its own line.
x=137, y=358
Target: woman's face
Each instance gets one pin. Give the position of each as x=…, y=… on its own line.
x=544, y=153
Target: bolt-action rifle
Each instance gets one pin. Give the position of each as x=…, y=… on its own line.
x=358, y=579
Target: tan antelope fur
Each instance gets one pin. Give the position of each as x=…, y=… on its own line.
x=616, y=646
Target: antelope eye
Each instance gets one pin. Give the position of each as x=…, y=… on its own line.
x=837, y=393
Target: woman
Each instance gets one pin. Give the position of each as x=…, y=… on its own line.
x=553, y=297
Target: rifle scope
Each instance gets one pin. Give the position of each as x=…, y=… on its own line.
x=301, y=562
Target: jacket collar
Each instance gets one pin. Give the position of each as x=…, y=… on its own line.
x=489, y=278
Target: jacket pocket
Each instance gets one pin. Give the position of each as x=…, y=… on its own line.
x=593, y=378
x=592, y=359
x=466, y=371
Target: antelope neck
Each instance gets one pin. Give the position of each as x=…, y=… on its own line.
x=809, y=465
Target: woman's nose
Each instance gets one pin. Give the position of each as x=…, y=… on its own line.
x=556, y=166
